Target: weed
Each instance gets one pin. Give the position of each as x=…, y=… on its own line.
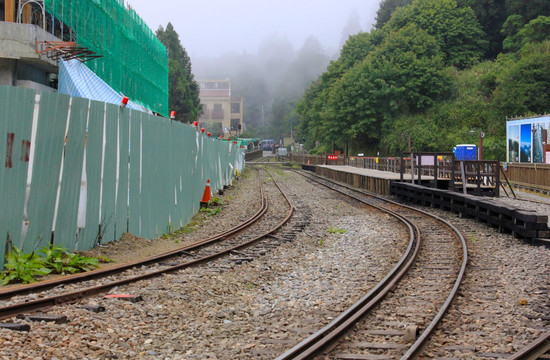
x=22, y=267
x=321, y=242
x=216, y=201
x=185, y=230
x=62, y=261
x=332, y=230
x=211, y=212
x=26, y=267
x=473, y=237
x=104, y=259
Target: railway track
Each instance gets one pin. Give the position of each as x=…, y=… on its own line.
x=252, y=238
x=538, y=349
x=396, y=318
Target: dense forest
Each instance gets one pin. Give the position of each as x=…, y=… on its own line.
x=435, y=70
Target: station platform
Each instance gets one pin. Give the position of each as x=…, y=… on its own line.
x=376, y=181
x=521, y=223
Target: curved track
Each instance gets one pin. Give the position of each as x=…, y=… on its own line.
x=397, y=316
x=257, y=229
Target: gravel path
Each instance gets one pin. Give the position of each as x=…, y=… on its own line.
x=260, y=308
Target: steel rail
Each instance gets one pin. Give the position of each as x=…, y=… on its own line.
x=320, y=339
x=104, y=272
x=534, y=350
x=20, y=308
x=316, y=342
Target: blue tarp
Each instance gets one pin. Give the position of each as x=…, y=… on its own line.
x=76, y=79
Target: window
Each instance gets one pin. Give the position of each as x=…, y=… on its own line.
x=217, y=112
x=235, y=108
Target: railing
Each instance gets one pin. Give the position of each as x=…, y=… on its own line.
x=477, y=177
x=529, y=175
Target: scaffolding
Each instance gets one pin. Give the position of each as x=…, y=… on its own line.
x=133, y=61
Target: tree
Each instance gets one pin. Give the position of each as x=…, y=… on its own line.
x=528, y=9
x=386, y=10
x=183, y=91
x=510, y=29
x=524, y=85
x=456, y=30
x=352, y=27
x=491, y=15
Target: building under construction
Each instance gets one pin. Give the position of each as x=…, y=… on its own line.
x=105, y=37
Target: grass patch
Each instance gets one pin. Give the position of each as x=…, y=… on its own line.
x=211, y=212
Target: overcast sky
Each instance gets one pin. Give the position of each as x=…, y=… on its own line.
x=215, y=27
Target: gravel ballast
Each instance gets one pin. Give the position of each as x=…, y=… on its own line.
x=260, y=308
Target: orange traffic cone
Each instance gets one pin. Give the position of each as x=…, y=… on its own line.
x=207, y=195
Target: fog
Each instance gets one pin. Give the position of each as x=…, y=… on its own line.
x=212, y=28
x=270, y=50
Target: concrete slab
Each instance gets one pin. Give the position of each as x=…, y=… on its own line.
x=372, y=173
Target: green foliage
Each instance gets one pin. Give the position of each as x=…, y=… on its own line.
x=183, y=230
x=386, y=10
x=456, y=30
x=218, y=201
x=528, y=10
x=518, y=35
x=523, y=86
x=104, y=259
x=420, y=75
x=183, y=91
x=22, y=267
x=491, y=14
x=211, y=212
x=510, y=29
x=332, y=230
x=62, y=261
x=27, y=267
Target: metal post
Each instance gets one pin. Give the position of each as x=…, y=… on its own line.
x=435, y=172
x=481, y=136
x=402, y=168
x=464, y=187
x=412, y=168
x=420, y=170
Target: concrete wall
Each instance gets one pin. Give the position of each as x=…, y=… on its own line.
x=7, y=71
x=19, y=60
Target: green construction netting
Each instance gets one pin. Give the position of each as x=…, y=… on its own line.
x=134, y=61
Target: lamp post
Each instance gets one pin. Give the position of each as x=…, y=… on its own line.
x=480, y=150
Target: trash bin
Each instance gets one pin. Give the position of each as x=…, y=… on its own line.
x=465, y=152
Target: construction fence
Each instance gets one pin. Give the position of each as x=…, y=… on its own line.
x=76, y=172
